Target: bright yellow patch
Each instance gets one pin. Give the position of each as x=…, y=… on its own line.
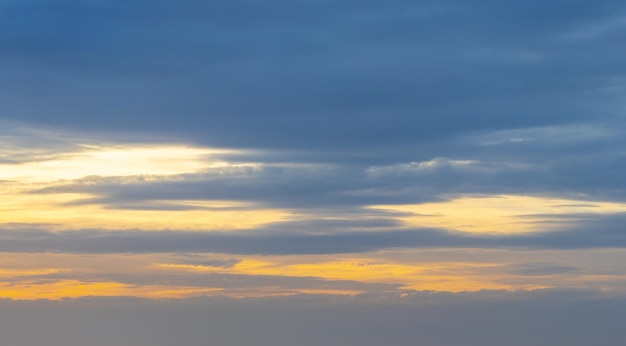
x=451, y=277
x=112, y=161
x=29, y=195
x=52, y=210
x=75, y=289
x=498, y=214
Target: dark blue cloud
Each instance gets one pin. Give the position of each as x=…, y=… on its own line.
x=309, y=75
x=580, y=170
x=312, y=237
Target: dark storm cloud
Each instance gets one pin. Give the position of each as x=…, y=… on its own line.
x=311, y=238
x=309, y=75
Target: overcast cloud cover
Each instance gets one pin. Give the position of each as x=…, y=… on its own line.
x=399, y=172
x=547, y=318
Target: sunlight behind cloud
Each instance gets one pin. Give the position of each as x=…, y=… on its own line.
x=499, y=213
x=113, y=161
x=62, y=212
x=451, y=277
x=74, y=289
x=29, y=195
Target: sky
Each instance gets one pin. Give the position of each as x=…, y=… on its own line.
x=312, y=172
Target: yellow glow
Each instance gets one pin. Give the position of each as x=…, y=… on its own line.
x=26, y=272
x=60, y=289
x=76, y=289
x=115, y=161
x=133, y=164
x=451, y=277
x=53, y=210
x=24, y=278
x=23, y=202
x=497, y=214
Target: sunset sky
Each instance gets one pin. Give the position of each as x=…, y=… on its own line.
x=337, y=167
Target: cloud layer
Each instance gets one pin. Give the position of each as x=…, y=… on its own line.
x=271, y=148
x=540, y=318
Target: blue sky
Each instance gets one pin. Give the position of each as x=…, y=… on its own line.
x=299, y=150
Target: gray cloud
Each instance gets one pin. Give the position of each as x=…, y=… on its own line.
x=217, y=263
x=578, y=318
x=541, y=269
x=228, y=283
x=317, y=238
x=592, y=176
